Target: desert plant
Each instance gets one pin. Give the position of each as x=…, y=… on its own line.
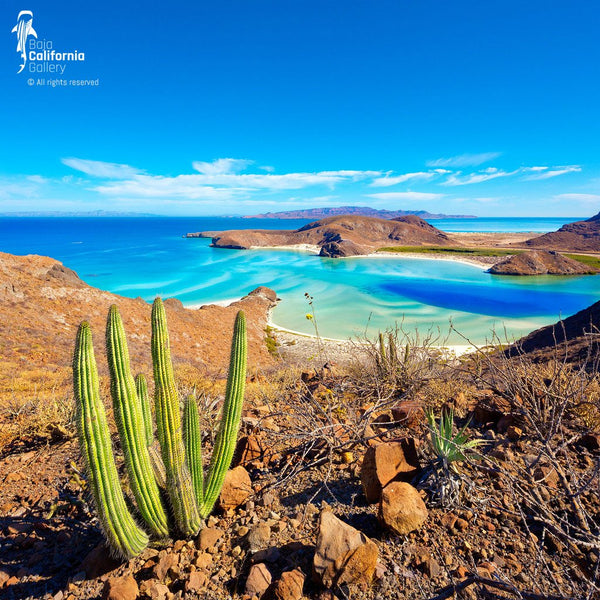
x=442, y=478
x=191, y=497
x=450, y=448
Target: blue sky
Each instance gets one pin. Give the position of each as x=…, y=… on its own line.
x=246, y=106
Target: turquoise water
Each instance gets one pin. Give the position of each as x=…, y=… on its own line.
x=146, y=257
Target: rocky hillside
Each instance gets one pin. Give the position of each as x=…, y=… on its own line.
x=576, y=337
x=580, y=236
x=347, y=235
x=42, y=303
x=540, y=262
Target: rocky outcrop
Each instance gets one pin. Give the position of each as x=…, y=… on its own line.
x=580, y=236
x=347, y=235
x=540, y=262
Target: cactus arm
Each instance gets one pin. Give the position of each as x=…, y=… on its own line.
x=157, y=466
x=142, y=392
x=193, y=446
x=130, y=423
x=168, y=426
x=122, y=532
x=230, y=419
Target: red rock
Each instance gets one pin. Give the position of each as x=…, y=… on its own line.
x=449, y=520
x=388, y=462
x=208, y=537
x=167, y=561
x=154, y=589
x=259, y=580
x=120, y=588
x=248, y=451
x=343, y=554
x=236, y=489
x=196, y=582
x=401, y=508
x=289, y=586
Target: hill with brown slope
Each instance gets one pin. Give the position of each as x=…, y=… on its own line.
x=347, y=235
x=580, y=236
x=540, y=262
x=42, y=303
x=576, y=339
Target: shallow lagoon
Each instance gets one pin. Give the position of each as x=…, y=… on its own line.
x=145, y=257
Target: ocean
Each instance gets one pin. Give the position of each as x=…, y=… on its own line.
x=149, y=256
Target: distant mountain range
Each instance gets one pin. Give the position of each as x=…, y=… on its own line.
x=363, y=211
x=92, y=213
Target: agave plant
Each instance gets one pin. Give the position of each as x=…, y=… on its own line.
x=443, y=478
x=186, y=495
x=450, y=448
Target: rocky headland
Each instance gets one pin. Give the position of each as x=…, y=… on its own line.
x=339, y=236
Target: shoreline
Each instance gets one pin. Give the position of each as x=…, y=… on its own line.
x=309, y=344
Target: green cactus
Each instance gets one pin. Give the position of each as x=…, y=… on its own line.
x=121, y=530
x=193, y=446
x=230, y=420
x=130, y=424
x=168, y=426
x=141, y=387
x=180, y=470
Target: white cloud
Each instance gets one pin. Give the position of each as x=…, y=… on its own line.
x=218, y=179
x=222, y=166
x=547, y=173
x=536, y=173
x=388, y=181
x=98, y=168
x=405, y=196
x=479, y=177
x=464, y=160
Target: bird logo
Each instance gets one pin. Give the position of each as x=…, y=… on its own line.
x=23, y=29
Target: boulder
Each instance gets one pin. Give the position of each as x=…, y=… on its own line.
x=236, y=489
x=289, y=586
x=386, y=462
x=401, y=508
x=120, y=588
x=259, y=580
x=343, y=554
